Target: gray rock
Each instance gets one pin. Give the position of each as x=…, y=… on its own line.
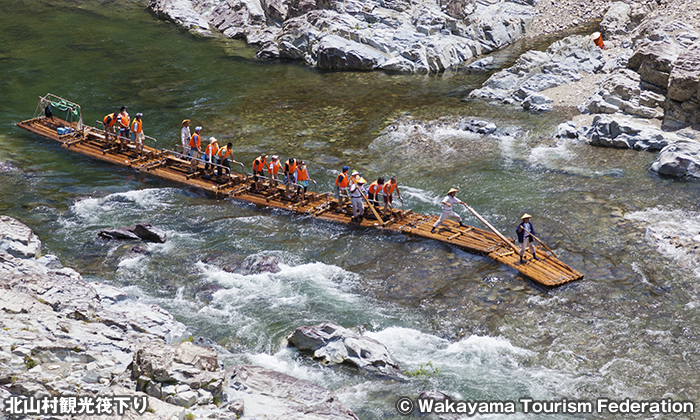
x=680, y=159
x=617, y=19
x=268, y=394
x=627, y=134
x=567, y=130
x=17, y=239
x=334, y=344
x=538, y=103
x=118, y=233
x=150, y=233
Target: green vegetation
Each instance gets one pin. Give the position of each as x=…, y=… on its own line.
x=424, y=370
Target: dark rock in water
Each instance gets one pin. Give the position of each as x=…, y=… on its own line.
x=334, y=344
x=435, y=395
x=142, y=231
x=256, y=264
x=150, y=233
x=139, y=250
x=120, y=233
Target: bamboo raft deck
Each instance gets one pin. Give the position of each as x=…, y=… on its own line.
x=169, y=165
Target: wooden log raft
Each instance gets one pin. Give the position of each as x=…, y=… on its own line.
x=165, y=164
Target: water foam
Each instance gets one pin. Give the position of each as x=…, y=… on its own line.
x=116, y=206
x=676, y=234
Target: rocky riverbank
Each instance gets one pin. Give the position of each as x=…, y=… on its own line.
x=80, y=349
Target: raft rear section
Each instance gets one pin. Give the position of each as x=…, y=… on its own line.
x=173, y=166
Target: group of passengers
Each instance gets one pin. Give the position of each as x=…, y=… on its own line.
x=122, y=122
x=353, y=186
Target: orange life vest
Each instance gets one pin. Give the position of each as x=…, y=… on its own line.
x=212, y=149
x=259, y=164
x=136, y=126
x=290, y=167
x=374, y=187
x=303, y=175
x=342, y=180
x=274, y=167
x=195, y=141
x=225, y=152
x=124, y=119
x=110, y=119
x=389, y=188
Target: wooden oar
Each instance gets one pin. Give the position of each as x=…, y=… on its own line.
x=371, y=206
x=493, y=229
x=544, y=245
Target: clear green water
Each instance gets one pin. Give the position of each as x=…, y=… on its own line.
x=629, y=329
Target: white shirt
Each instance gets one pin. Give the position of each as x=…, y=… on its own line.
x=451, y=201
x=355, y=190
x=185, y=136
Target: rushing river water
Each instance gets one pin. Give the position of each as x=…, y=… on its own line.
x=478, y=330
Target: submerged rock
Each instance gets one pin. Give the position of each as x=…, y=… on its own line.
x=143, y=231
x=333, y=344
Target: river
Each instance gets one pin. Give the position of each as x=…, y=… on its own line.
x=463, y=324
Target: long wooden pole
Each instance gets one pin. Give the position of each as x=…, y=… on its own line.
x=371, y=206
x=493, y=229
x=544, y=245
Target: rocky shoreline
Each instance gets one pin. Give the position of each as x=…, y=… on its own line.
x=69, y=348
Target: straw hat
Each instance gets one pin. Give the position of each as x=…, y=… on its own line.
x=361, y=181
x=453, y=190
x=526, y=216
x=595, y=35
x=185, y=122
x=212, y=140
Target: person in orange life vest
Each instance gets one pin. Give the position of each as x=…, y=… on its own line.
x=195, y=146
x=525, y=232
x=137, y=128
x=302, y=176
x=388, y=193
x=123, y=121
x=210, y=154
x=258, y=167
x=341, y=187
x=109, y=121
x=290, y=170
x=374, y=190
x=185, y=137
x=448, y=209
x=272, y=169
x=225, y=156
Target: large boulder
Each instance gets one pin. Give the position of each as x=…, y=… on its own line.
x=565, y=61
x=263, y=393
x=17, y=239
x=616, y=20
x=334, y=344
x=621, y=92
x=680, y=159
x=625, y=133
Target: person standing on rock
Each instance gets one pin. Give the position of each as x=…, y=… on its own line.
x=525, y=233
x=448, y=209
x=356, y=191
x=185, y=137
